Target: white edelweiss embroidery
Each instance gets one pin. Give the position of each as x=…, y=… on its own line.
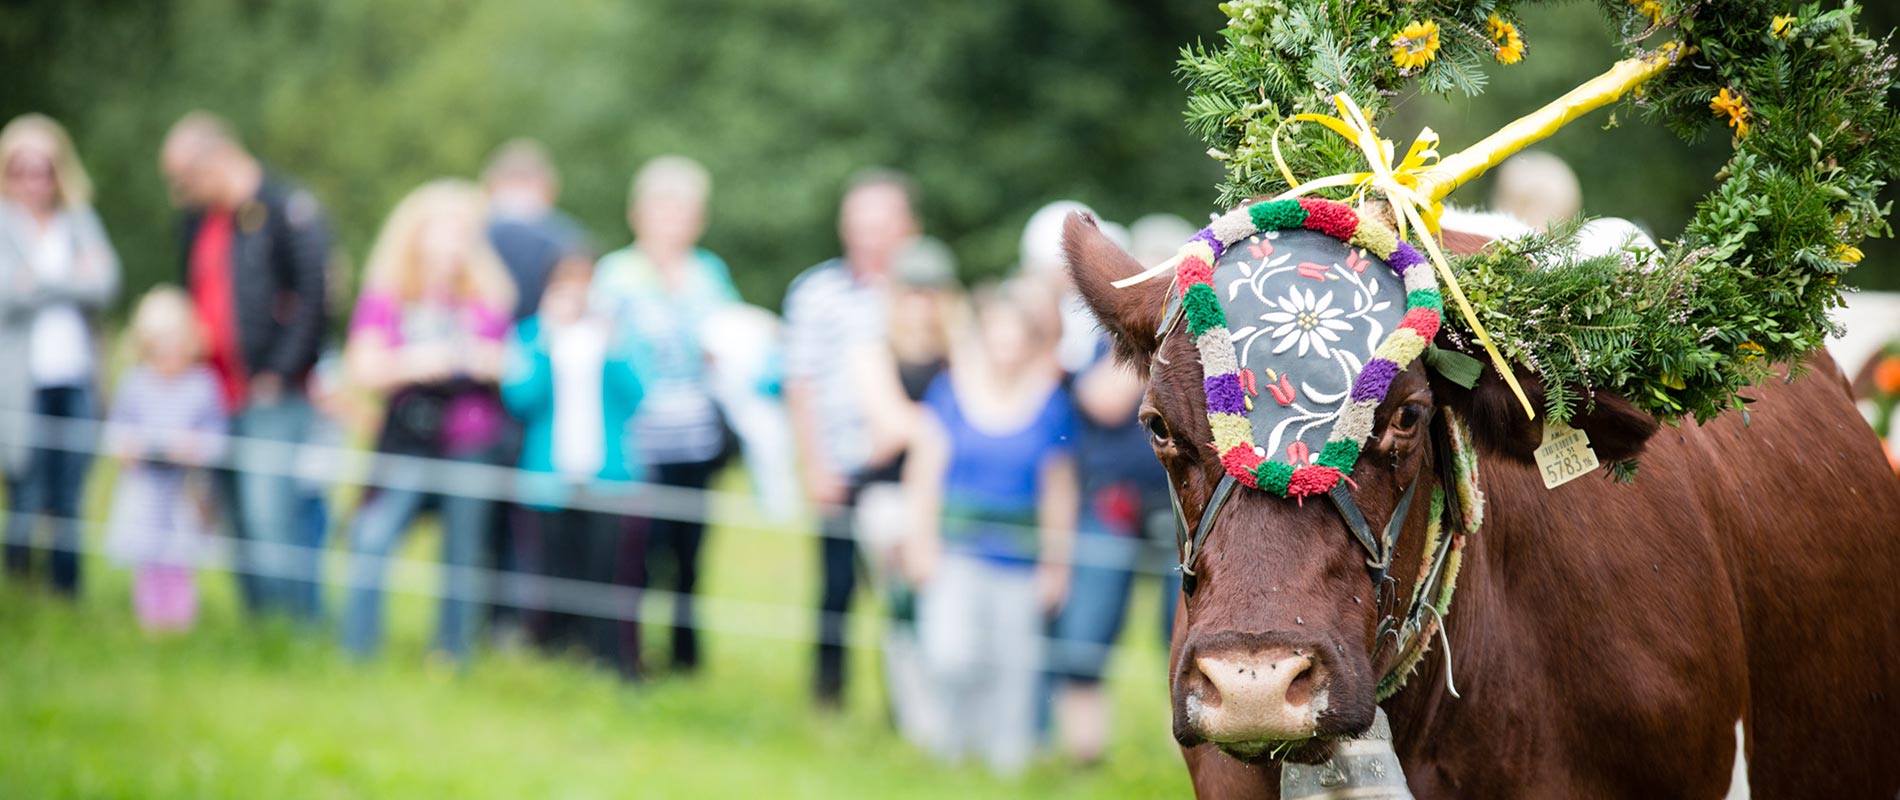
x=1305, y=321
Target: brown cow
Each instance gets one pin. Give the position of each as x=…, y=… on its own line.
x=1739, y=600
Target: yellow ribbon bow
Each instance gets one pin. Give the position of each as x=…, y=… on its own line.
x=1400, y=186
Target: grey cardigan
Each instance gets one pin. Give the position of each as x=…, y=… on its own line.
x=93, y=285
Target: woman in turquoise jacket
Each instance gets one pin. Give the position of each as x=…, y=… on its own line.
x=662, y=289
x=575, y=385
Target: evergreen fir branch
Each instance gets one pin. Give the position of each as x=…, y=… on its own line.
x=1679, y=333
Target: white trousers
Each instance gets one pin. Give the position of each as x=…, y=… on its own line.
x=981, y=637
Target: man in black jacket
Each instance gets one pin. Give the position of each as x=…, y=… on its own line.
x=255, y=252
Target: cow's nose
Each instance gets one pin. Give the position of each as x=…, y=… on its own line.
x=1272, y=695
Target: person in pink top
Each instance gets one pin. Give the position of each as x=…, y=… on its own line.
x=427, y=336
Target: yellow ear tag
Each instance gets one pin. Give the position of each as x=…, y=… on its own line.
x=1565, y=454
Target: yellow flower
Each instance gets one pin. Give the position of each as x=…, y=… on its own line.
x=1415, y=45
x=1497, y=28
x=1730, y=104
x=1649, y=8
x=1750, y=351
x=1509, y=42
x=1511, y=52
x=1848, y=253
x=1784, y=25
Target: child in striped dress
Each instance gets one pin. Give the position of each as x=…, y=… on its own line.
x=166, y=425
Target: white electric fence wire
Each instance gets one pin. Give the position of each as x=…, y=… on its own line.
x=412, y=577
x=331, y=466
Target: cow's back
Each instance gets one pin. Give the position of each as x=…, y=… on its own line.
x=1609, y=638
x=1808, y=511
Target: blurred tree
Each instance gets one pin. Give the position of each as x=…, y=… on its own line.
x=995, y=107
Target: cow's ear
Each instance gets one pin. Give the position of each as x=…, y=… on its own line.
x=1129, y=314
x=1618, y=430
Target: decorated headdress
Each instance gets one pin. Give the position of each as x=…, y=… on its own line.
x=1303, y=306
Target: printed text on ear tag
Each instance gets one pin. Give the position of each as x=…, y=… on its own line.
x=1565, y=455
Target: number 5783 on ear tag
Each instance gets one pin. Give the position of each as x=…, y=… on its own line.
x=1565, y=455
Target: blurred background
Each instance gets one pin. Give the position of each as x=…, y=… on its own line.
x=992, y=109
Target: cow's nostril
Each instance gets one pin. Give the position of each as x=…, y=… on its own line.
x=1299, y=691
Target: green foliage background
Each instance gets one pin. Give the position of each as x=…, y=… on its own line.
x=995, y=107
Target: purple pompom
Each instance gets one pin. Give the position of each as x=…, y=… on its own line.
x=1404, y=258
x=1213, y=242
x=1374, y=380
x=1224, y=395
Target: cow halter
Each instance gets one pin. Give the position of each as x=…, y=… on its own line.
x=1321, y=467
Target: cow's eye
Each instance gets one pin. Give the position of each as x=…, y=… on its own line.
x=1407, y=418
x=1158, y=432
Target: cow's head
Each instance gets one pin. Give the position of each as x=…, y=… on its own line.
x=1275, y=655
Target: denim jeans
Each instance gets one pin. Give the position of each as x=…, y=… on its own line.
x=313, y=531
x=379, y=529
x=48, y=491
x=1091, y=619
x=277, y=571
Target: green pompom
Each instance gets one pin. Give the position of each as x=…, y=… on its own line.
x=1273, y=476
x=1424, y=298
x=1339, y=454
x=1203, y=309
x=1277, y=215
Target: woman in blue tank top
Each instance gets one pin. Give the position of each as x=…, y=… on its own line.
x=993, y=480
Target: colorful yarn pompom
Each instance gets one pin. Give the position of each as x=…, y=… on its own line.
x=1277, y=215
x=1374, y=379
x=1337, y=220
x=1312, y=480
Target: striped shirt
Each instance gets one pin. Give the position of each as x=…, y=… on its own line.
x=829, y=313
x=678, y=422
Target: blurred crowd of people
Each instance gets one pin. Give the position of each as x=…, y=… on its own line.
x=975, y=455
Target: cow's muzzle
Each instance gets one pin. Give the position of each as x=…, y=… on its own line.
x=1255, y=696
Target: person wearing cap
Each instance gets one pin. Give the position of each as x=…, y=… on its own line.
x=1120, y=481
x=895, y=373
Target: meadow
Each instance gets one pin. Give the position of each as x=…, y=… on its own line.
x=92, y=707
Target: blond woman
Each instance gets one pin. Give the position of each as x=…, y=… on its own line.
x=56, y=270
x=427, y=335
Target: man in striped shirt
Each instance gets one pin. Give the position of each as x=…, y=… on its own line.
x=831, y=309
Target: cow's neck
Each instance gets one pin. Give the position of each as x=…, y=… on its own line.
x=1488, y=632
x=1418, y=710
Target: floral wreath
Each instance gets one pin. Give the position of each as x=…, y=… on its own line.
x=1679, y=333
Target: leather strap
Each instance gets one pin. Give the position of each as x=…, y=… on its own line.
x=1202, y=530
x=1378, y=550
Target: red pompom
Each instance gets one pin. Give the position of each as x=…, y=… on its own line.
x=1423, y=320
x=1240, y=461
x=1193, y=270
x=1337, y=220
x=1312, y=480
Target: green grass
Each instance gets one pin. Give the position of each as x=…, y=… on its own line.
x=90, y=707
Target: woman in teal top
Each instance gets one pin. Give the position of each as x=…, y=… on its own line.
x=660, y=290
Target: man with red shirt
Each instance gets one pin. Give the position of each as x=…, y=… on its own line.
x=255, y=250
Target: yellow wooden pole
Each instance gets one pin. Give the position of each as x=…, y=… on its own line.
x=1457, y=169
